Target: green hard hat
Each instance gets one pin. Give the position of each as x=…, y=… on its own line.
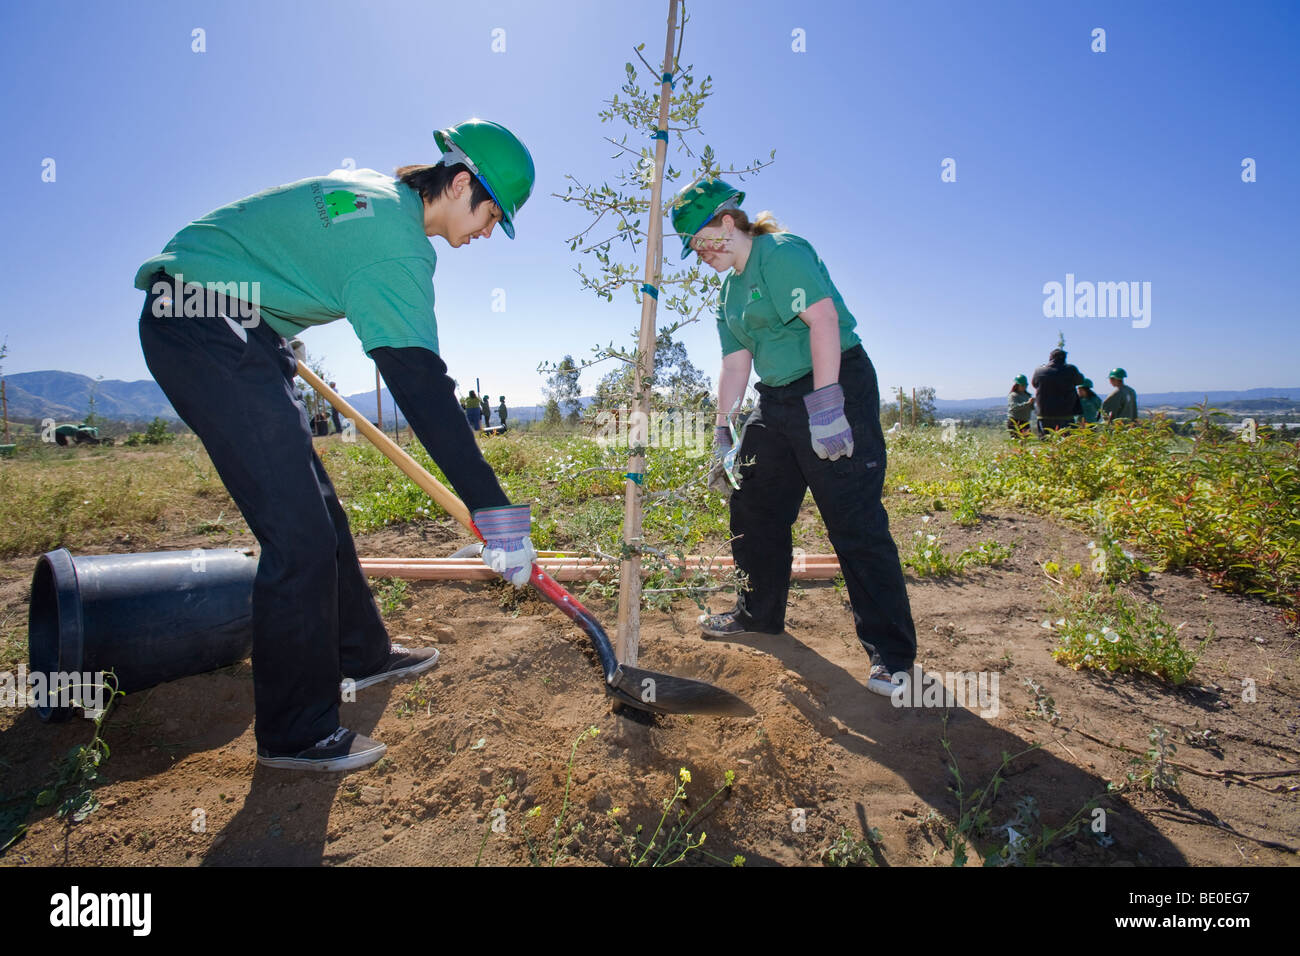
x=497, y=157
x=1118, y=373
x=1086, y=383
x=1021, y=380
x=699, y=202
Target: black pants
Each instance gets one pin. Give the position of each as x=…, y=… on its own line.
x=314, y=617
x=847, y=493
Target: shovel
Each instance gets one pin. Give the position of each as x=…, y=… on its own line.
x=633, y=686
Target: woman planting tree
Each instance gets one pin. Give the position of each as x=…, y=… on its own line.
x=353, y=243
x=817, y=426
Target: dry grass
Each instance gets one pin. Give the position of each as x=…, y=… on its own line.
x=83, y=498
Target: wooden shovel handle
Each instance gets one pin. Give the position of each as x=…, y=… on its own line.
x=435, y=489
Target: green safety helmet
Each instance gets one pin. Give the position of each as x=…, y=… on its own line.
x=1118, y=373
x=1021, y=380
x=496, y=156
x=1086, y=383
x=699, y=202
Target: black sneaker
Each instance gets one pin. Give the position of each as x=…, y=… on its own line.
x=402, y=662
x=341, y=751
x=728, y=624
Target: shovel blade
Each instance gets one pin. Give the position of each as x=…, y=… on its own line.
x=666, y=694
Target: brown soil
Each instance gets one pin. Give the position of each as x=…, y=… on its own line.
x=517, y=684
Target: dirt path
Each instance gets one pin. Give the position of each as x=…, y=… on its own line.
x=493, y=724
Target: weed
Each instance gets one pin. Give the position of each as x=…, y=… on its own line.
x=929, y=559
x=416, y=699
x=678, y=838
x=972, y=832
x=967, y=510
x=1044, y=705
x=847, y=851
x=1155, y=771
x=390, y=594
x=1109, y=631
x=560, y=839
x=78, y=772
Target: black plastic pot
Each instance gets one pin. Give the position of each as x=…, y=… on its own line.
x=148, y=618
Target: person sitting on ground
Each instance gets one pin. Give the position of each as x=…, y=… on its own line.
x=1121, y=403
x=1055, y=395
x=1020, y=405
x=1089, y=403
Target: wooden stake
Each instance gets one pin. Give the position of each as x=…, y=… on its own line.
x=379, y=401
x=4, y=401
x=629, y=590
x=913, y=406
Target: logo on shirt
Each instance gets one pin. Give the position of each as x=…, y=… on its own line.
x=340, y=205
x=755, y=293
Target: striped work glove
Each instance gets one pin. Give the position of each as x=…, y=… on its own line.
x=831, y=434
x=507, y=549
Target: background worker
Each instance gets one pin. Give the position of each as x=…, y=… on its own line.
x=1122, y=403
x=1089, y=403
x=1055, y=393
x=502, y=411
x=334, y=412
x=1020, y=406
x=817, y=426
x=353, y=243
x=473, y=411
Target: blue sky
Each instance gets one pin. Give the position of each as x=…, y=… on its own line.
x=1115, y=166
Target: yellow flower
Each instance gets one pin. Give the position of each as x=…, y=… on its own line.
x=685, y=775
x=729, y=777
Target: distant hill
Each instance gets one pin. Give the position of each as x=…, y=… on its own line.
x=1251, y=397
x=65, y=397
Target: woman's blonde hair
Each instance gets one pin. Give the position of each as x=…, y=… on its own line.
x=765, y=223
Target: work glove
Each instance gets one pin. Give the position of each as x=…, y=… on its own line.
x=507, y=549
x=299, y=349
x=722, y=448
x=831, y=434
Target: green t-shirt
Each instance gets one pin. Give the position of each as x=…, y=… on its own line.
x=1121, y=403
x=758, y=309
x=1091, y=408
x=348, y=244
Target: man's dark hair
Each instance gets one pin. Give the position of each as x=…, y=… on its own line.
x=434, y=181
x=1055, y=354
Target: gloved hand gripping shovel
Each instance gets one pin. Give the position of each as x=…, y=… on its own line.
x=642, y=689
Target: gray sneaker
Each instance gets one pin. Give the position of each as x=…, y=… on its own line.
x=881, y=681
x=402, y=662
x=341, y=751
x=728, y=624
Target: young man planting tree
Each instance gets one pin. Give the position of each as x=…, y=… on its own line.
x=354, y=244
